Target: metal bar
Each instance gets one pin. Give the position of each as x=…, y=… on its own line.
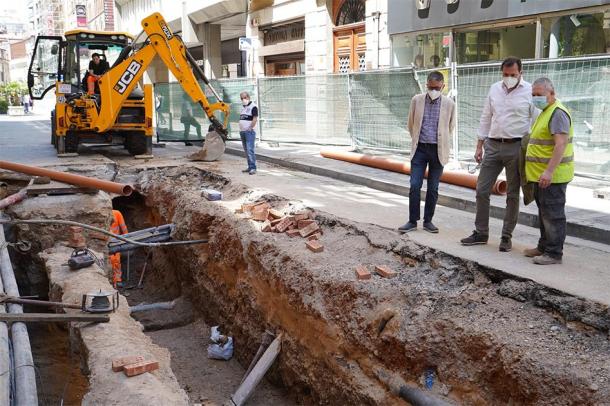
x=23, y=362
x=20, y=318
x=18, y=300
x=5, y=359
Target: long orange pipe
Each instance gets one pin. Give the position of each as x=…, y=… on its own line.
x=84, y=181
x=454, y=178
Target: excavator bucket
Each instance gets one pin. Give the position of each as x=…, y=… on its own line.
x=212, y=150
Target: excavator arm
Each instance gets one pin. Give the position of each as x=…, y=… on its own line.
x=118, y=82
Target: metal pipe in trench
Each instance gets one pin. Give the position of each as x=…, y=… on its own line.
x=5, y=359
x=84, y=181
x=23, y=363
x=452, y=177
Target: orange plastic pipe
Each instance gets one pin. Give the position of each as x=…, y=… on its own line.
x=454, y=178
x=84, y=181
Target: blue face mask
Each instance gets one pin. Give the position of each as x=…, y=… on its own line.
x=540, y=102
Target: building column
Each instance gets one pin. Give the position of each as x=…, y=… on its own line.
x=209, y=36
x=255, y=64
x=377, y=38
x=319, y=47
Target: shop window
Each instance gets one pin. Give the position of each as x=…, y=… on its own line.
x=421, y=51
x=350, y=12
x=576, y=34
x=496, y=44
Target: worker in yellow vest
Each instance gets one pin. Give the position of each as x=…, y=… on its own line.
x=117, y=227
x=549, y=165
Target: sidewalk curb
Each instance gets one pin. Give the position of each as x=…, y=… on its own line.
x=578, y=230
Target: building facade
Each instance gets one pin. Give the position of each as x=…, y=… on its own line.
x=471, y=31
x=281, y=37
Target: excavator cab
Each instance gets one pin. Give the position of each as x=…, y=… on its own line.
x=118, y=110
x=62, y=65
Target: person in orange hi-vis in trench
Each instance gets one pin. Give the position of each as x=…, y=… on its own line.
x=117, y=227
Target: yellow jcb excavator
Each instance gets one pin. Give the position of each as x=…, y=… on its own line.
x=116, y=110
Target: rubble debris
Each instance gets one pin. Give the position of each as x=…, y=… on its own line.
x=385, y=271
x=304, y=223
x=276, y=214
x=293, y=233
x=266, y=226
x=314, y=246
x=119, y=363
x=315, y=236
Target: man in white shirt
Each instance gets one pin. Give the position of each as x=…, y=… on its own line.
x=507, y=117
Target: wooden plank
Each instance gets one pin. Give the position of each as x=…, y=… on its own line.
x=57, y=188
x=53, y=317
x=262, y=366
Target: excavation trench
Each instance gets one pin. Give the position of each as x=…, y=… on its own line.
x=473, y=335
x=476, y=335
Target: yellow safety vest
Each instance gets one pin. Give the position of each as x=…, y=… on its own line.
x=541, y=145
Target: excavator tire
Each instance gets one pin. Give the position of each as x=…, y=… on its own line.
x=212, y=150
x=136, y=143
x=71, y=142
x=53, y=129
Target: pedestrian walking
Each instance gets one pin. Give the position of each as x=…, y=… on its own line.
x=187, y=119
x=431, y=124
x=25, y=100
x=247, y=123
x=159, y=106
x=549, y=165
x=507, y=116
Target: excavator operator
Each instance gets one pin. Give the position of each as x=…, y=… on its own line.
x=117, y=227
x=97, y=67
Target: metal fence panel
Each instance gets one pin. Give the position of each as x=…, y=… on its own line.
x=308, y=109
x=368, y=110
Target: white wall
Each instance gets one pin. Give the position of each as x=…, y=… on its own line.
x=377, y=38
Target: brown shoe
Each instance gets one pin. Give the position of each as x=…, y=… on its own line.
x=546, y=260
x=532, y=252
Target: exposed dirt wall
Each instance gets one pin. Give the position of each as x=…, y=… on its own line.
x=488, y=338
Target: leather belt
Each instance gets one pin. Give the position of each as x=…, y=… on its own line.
x=508, y=140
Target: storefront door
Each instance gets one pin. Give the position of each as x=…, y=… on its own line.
x=350, y=48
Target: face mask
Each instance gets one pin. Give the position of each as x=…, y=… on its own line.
x=540, y=102
x=510, y=81
x=434, y=94
x=245, y=102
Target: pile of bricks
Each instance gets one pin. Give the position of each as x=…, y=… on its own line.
x=133, y=365
x=297, y=225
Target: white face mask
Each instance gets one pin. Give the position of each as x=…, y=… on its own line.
x=434, y=94
x=510, y=81
x=245, y=102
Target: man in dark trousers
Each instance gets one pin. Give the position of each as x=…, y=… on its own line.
x=188, y=120
x=431, y=124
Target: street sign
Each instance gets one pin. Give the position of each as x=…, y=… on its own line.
x=245, y=44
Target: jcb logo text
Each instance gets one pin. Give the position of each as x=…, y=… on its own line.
x=127, y=77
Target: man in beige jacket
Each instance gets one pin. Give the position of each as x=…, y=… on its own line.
x=431, y=125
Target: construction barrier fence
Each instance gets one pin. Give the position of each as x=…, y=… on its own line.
x=368, y=110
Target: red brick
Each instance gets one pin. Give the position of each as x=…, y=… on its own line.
x=302, y=215
x=276, y=214
x=315, y=236
x=266, y=227
x=293, y=233
x=284, y=224
x=362, y=273
x=310, y=229
x=304, y=223
x=275, y=222
x=119, y=363
x=239, y=210
x=260, y=213
x=314, y=246
x=385, y=271
x=140, y=368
